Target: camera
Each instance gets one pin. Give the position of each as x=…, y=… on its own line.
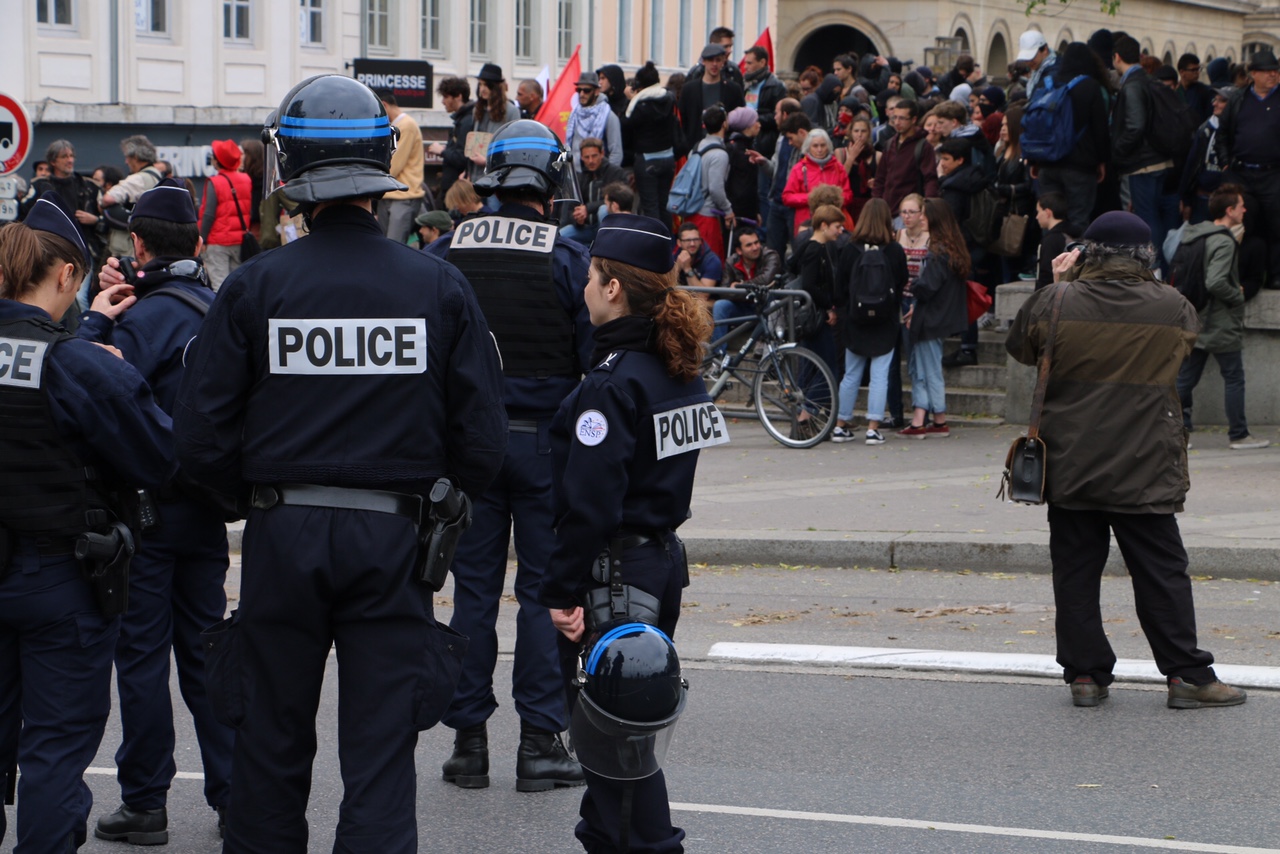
x=127, y=269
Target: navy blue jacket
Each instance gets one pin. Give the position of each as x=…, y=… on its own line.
x=343, y=359
x=103, y=408
x=606, y=443
x=531, y=397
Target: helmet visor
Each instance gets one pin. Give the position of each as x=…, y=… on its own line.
x=616, y=748
x=272, y=179
x=564, y=189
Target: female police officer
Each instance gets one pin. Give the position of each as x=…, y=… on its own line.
x=76, y=422
x=626, y=447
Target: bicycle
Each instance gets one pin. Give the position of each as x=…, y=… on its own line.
x=786, y=380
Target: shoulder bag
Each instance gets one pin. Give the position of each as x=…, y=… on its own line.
x=1024, y=466
x=249, y=245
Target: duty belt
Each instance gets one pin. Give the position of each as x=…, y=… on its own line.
x=338, y=497
x=1254, y=167
x=518, y=425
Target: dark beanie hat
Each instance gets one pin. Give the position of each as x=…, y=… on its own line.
x=647, y=76
x=636, y=240
x=1119, y=228
x=995, y=95
x=1219, y=72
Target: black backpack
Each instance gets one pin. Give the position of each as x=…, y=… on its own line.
x=1186, y=271
x=1170, y=122
x=871, y=287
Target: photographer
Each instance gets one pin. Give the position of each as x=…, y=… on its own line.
x=176, y=588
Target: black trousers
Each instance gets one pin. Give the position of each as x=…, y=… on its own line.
x=1079, y=541
x=1263, y=217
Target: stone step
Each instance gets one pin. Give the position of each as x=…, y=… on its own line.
x=992, y=377
x=975, y=404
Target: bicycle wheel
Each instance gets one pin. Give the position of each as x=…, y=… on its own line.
x=791, y=382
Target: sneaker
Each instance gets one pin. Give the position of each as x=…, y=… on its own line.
x=942, y=431
x=960, y=358
x=1184, y=695
x=1027, y=276
x=1086, y=692
x=873, y=437
x=987, y=320
x=913, y=432
x=1248, y=443
x=842, y=434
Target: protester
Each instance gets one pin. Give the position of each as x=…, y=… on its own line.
x=818, y=166
x=224, y=212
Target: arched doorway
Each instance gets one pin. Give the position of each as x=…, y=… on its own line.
x=964, y=40
x=998, y=58
x=826, y=43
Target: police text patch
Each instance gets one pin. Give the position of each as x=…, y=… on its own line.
x=364, y=345
x=502, y=232
x=22, y=362
x=688, y=428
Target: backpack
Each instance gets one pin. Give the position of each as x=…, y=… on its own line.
x=1048, y=125
x=1170, y=122
x=688, y=195
x=1186, y=272
x=871, y=287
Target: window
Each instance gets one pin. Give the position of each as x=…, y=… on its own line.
x=149, y=16
x=235, y=19
x=564, y=30
x=431, y=25
x=762, y=15
x=56, y=12
x=524, y=29
x=738, y=33
x=656, y=31
x=712, y=23
x=480, y=27
x=378, y=15
x=624, y=30
x=311, y=21
x=686, y=34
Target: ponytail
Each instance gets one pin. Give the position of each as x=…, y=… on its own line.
x=681, y=323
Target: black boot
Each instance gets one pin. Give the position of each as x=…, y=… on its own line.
x=543, y=763
x=137, y=827
x=468, y=767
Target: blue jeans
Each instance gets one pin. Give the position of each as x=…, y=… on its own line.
x=877, y=390
x=928, y=390
x=1144, y=194
x=723, y=310
x=1231, y=365
x=585, y=233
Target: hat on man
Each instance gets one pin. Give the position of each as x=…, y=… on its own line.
x=439, y=220
x=640, y=241
x=924, y=71
x=1224, y=92
x=1029, y=44
x=168, y=201
x=713, y=50
x=995, y=96
x=589, y=79
x=50, y=214
x=1264, y=60
x=1119, y=228
x=491, y=73
x=227, y=153
x=741, y=118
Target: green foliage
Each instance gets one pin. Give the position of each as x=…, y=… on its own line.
x=1030, y=6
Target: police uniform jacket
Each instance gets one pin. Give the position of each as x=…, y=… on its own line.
x=345, y=360
x=625, y=447
x=539, y=397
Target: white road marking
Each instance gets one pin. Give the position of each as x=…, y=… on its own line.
x=1126, y=669
x=111, y=772
x=1025, y=832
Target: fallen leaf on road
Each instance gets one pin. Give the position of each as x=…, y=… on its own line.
x=944, y=610
x=1028, y=632
x=765, y=619
x=1092, y=786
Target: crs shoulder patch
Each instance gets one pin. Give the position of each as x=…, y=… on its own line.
x=591, y=427
x=503, y=232
x=365, y=345
x=22, y=362
x=688, y=428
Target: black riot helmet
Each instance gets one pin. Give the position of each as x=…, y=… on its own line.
x=527, y=155
x=330, y=139
x=630, y=695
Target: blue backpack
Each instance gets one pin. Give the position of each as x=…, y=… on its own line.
x=1048, y=125
x=688, y=194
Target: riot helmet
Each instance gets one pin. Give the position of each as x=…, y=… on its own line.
x=527, y=155
x=330, y=139
x=629, y=696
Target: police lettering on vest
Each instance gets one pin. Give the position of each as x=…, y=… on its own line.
x=688, y=428
x=21, y=362
x=500, y=232
x=364, y=345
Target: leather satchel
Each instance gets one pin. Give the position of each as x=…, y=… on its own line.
x=1013, y=231
x=1025, y=464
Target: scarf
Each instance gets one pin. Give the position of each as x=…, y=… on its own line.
x=585, y=122
x=756, y=76
x=629, y=332
x=657, y=90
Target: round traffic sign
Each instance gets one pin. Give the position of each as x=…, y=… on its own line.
x=15, y=134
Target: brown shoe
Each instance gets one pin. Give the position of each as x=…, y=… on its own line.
x=1184, y=695
x=1086, y=692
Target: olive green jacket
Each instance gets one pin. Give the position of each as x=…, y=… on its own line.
x=1112, y=422
x=1222, y=320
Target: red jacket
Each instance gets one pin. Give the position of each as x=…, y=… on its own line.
x=806, y=175
x=226, y=230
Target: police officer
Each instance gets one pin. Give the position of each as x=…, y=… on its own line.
x=79, y=431
x=529, y=283
x=339, y=378
x=176, y=584
x=626, y=446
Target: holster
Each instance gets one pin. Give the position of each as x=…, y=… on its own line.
x=105, y=559
x=619, y=601
x=448, y=517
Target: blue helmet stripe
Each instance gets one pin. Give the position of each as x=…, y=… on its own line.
x=297, y=121
x=527, y=142
x=316, y=133
x=627, y=629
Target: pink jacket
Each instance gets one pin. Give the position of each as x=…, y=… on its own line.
x=806, y=175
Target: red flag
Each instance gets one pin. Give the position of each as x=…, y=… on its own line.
x=765, y=41
x=555, y=111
